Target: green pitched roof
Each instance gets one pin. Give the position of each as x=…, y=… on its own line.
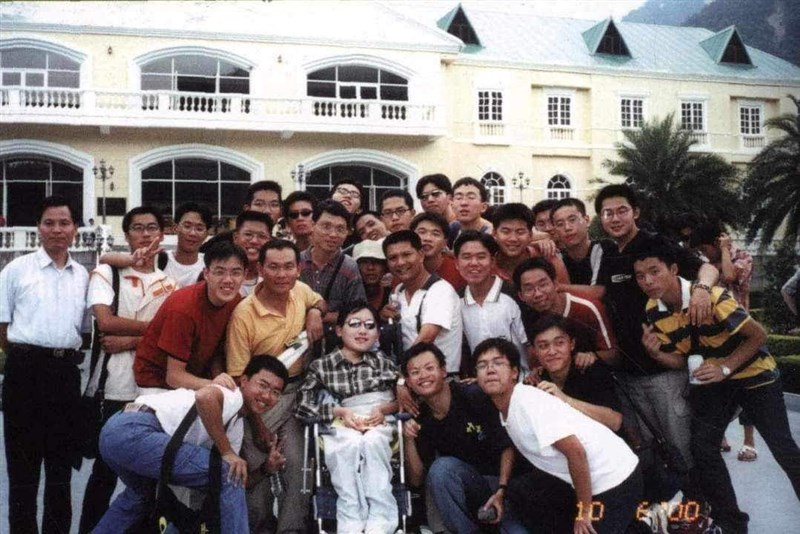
x=467, y=33
x=716, y=45
x=593, y=37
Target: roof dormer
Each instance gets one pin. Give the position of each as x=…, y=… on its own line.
x=456, y=23
x=605, y=38
x=727, y=46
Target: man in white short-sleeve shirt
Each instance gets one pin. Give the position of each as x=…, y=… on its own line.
x=133, y=443
x=141, y=291
x=587, y=479
x=429, y=309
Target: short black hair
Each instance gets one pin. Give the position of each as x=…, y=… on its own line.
x=503, y=346
x=278, y=244
x=194, y=207
x=298, y=196
x=544, y=205
x=666, y=254
x=349, y=181
x=474, y=235
x=357, y=217
x=353, y=307
x=705, y=234
x=55, y=201
x=530, y=264
x=142, y=210
x=551, y=320
x=435, y=218
x=222, y=250
x=439, y=180
x=331, y=207
x=569, y=201
x=514, y=211
x=421, y=348
x=398, y=193
x=263, y=185
x=468, y=180
x=254, y=216
x=265, y=362
x=616, y=190
x=401, y=236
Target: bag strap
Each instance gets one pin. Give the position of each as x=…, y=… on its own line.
x=432, y=279
x=327, y=292
x=162, y=261
x=172, y=448
x=101, y=383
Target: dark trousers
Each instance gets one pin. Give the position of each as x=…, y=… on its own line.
x=546, y=504
x=713, y=407
x=102, y=481
x=41, y=395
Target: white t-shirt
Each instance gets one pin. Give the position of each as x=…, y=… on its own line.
x=247, y=287
x=171, y=407
x=184, y=275
x=537, y=419
x=140, y=297
x=442, y=307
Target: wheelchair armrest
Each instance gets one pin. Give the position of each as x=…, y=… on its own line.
x=311, y=420
x=403, y=416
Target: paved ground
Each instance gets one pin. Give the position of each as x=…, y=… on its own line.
x=761, y=486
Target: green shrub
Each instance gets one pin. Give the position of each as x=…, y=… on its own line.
x=783, y=345
x=790, y=372
x=778, y=269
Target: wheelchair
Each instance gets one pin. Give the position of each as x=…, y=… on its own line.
x=323, y=495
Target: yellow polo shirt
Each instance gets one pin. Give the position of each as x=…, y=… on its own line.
x=254, y=329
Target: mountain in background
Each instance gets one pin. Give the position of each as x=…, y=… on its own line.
x=769, y=25
x=667, y=12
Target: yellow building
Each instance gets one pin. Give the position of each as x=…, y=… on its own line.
x=194, y=101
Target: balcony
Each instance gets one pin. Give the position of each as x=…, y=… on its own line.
x=701, y=138
x=490, y=133
x=561, y=133
x=26, y=239
x=753, y=142
x=174, y=109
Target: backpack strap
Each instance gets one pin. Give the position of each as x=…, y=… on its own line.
x=96, y=344
x=432, y=279
x=163, y=259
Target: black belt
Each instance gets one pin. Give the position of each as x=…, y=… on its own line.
x=68, y=355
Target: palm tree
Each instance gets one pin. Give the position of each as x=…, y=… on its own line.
x=772, y=185
x=674, y=183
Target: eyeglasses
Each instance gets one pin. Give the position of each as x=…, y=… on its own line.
x=189, y=227
x=264, y=387
x=250, y=236
x=369, y=324
x=388, y=214
x=491, y=364
x=300, y=213
x=274, y=204
x=352, y=193
x=141, y=228
x=435, y=194
x=620, y=212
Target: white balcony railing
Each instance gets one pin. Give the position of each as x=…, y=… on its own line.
x=753, y=141
x=700, y=137
x=234, y=111
x=26, y=238
x=562, y=133
x=491, y=129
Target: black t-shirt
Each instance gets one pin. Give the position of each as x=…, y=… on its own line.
x=624, y=300
x=580, y=271
x=471, y=431
x=593, y=385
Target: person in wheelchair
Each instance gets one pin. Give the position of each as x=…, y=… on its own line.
x=352, y=388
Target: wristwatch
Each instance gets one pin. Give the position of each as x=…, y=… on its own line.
x=726, y=371
x=701, y=285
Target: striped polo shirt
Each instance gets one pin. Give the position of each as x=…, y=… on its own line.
x=717, y=339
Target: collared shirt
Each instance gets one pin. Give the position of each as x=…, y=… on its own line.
x=140, y=297
x=716, y=338
x=346, y=287
x=498, y=316
x=44, y=306
x=254, y=329
x=342, y=378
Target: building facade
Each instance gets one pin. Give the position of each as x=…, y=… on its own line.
x=195, y=101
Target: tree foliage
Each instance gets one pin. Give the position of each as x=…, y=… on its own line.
x=772, y=185
x=675, y=183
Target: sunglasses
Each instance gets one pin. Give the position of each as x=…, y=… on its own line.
x=369, y=324
x=301, y=213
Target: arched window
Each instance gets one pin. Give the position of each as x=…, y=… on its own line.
x=376, y=181
x=195, y=73
x=215, y=183
x=357, y=83
x=27, y=179
x=558, y=187
x=32, y=67
x=496, y=187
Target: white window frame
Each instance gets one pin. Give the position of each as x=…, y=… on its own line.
x=752, y=140
x=492, y=95
x=558, y=193
x=560, y=120
x=701, y=135
x=81, y=58
x=632, y=98
x=498, y=192
x=561, y=131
